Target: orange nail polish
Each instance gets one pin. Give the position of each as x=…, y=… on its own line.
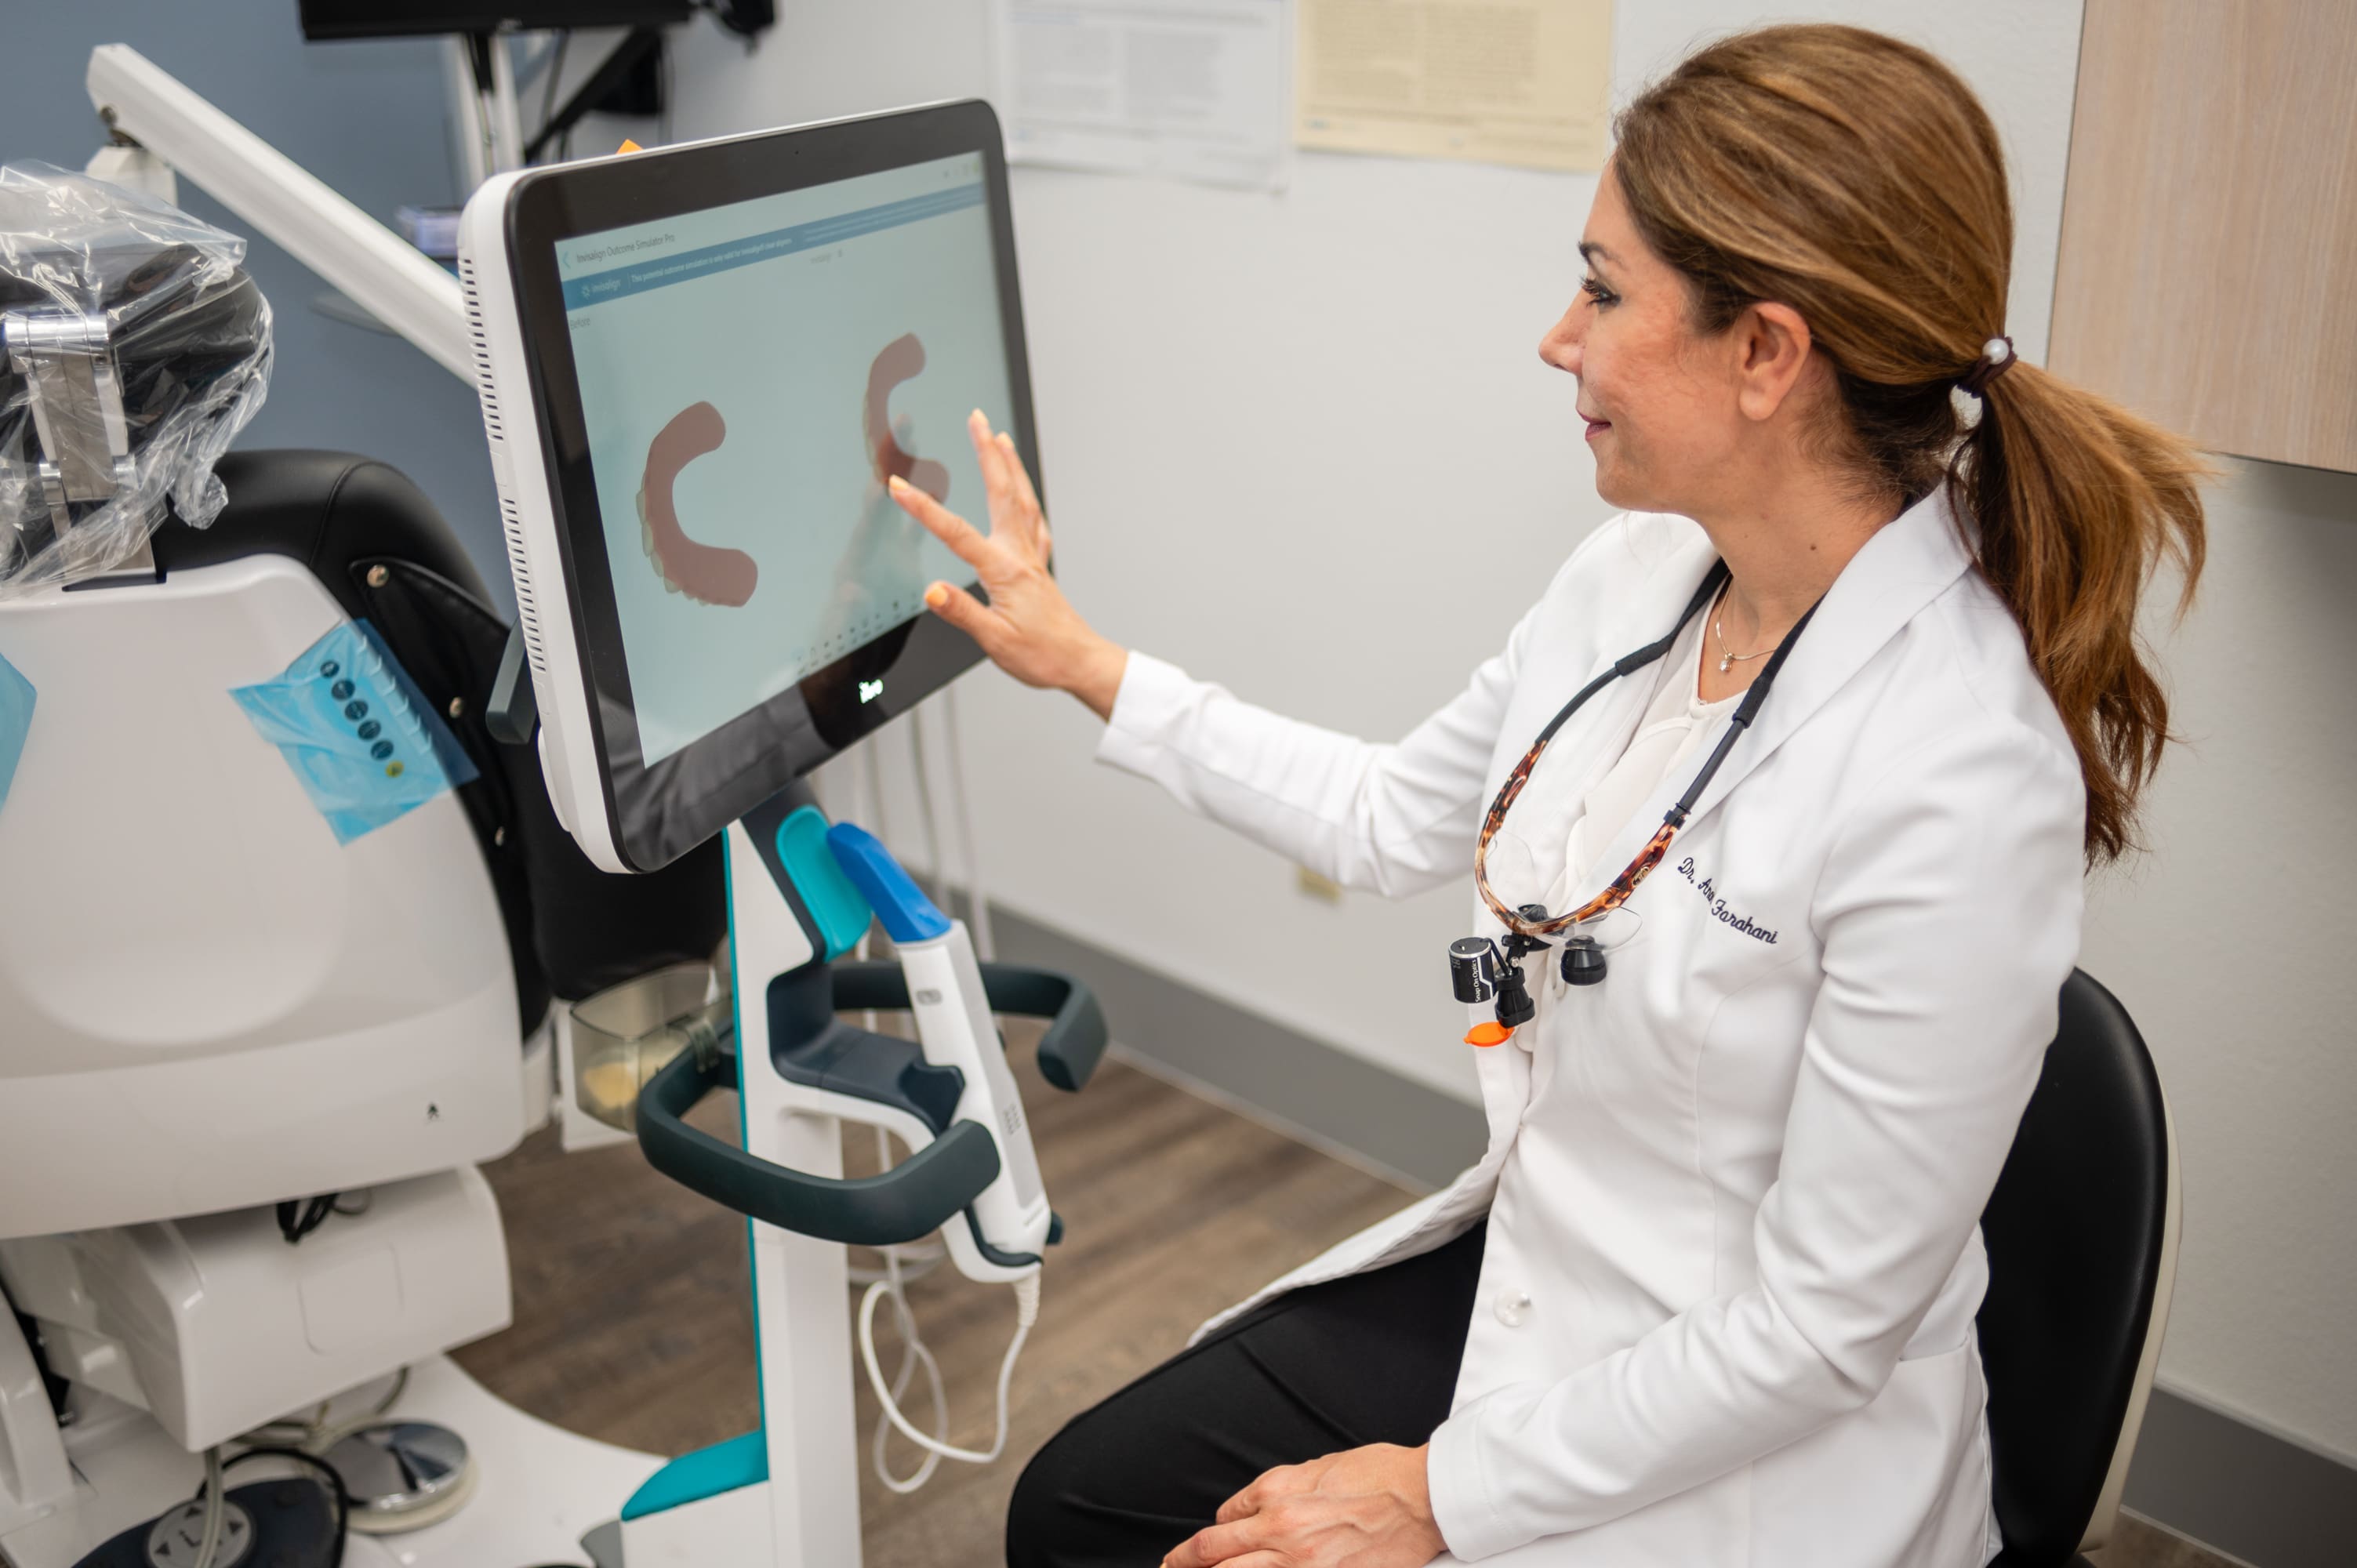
x=936, y=597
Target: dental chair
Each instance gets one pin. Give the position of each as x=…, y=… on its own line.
x=213, y=1018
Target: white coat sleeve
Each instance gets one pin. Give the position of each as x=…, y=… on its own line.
x=1949, y=911
x=1394, y=818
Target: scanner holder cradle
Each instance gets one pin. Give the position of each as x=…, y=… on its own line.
x=790, y=1492
x=827, y=1066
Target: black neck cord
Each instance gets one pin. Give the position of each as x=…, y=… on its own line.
x=1630, y=663
x=1745, y=712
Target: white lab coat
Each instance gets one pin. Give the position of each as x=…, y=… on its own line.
x=1726, y=1313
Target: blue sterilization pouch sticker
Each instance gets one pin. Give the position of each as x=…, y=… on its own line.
x=16, y=720
x=356, y=730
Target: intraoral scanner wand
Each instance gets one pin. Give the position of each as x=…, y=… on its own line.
x=955, y=1029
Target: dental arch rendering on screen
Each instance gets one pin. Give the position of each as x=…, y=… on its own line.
x=717, y=575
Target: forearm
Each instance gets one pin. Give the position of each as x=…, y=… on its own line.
x=1096, y=681
x=1391, y=818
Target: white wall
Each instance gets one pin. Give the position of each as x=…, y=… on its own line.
x=1302, y=444
x=2230, y=944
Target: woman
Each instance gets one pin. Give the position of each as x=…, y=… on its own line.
x=1709, y=1296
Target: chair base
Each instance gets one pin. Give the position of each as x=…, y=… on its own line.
x=543, y=1490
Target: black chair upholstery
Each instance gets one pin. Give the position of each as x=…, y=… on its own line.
x=2075, y=1234
x=385, y=554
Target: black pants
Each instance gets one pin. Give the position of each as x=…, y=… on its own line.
x=1371, y=1358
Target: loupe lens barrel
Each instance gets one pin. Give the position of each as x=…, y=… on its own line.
x=1473, y=969
x=1583, y=961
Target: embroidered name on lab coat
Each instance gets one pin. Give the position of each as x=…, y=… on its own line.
x=1719, y=909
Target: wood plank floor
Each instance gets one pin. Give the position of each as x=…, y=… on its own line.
x=633, y=1321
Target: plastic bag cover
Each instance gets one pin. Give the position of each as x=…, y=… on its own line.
x=184, y=333
x=357, y=732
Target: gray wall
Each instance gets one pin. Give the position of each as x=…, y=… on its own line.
x=365, y=117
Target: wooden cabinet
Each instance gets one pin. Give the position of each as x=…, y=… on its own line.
x=2208, y=259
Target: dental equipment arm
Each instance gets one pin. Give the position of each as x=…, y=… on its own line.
x=371, y=264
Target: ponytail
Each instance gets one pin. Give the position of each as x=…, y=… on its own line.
x=2078, y=501
x=1856, y=179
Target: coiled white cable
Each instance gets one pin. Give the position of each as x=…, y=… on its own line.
x=1027, y=1313
x=913, y=1354
x=869, y=782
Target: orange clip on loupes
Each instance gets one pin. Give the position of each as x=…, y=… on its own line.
x=1490, y=1033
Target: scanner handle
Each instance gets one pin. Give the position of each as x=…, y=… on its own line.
x=1076, y=1037
x=912, y=1199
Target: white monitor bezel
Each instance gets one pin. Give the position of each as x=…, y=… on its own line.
x=626, y=816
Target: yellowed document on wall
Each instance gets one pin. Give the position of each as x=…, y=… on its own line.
x=1507, y=81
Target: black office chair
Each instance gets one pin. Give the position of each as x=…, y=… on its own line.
x=2082, y=1237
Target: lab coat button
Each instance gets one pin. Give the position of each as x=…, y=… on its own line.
x=1513, y=1308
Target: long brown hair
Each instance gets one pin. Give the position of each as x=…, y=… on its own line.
x=1856, y=179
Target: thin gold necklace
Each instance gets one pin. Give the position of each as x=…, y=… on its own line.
x=1729, y=660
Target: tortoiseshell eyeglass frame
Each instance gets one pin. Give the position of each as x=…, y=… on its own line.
x=1618, y=891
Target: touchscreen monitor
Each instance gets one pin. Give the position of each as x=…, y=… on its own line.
x=750, y=377
x=732, y=348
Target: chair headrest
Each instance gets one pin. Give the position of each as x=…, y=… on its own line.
x=132, y=348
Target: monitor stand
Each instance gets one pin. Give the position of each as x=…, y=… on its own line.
x=787, y=1494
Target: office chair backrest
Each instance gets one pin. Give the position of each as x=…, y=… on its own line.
x=2081, y=1237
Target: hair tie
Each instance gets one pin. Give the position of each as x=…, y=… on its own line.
x=1996, y=358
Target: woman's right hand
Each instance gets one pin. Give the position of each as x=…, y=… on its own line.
x=1028, y=629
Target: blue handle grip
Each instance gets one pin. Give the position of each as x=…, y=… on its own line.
x=908, y=915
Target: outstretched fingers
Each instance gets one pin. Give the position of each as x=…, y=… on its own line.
x=967, y=542
x=968, y=614
x=1020, y=477
x=992, y=459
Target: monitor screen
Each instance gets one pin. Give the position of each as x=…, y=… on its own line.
x=730, y=347
x=751, y=376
